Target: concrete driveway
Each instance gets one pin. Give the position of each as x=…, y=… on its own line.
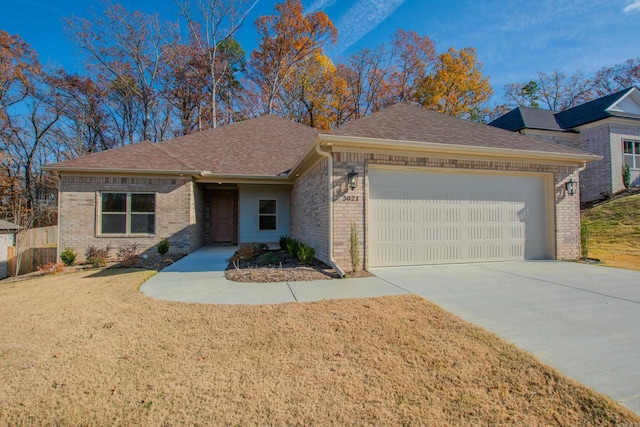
x=584, y=320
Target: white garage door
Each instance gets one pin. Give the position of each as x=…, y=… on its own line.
x=427, y=217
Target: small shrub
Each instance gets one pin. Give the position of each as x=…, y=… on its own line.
x=626, y=176
x=97, y=257
x=306, y=254
x=128, y=255
x=585, y=235
x=293, y=246
x=68, y=256
x=283, y=242
x=268, y=258
x=248, y=252
x=355, y=249
x=51, y=268
x=163, y=247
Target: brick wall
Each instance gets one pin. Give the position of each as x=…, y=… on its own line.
x=620, y=133
x=309, y=210
x=175, y=219
x=595, y=180
x=350, y=205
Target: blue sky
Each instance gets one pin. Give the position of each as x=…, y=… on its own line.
x=514, y=39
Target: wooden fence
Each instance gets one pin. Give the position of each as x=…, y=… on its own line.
x=38, y=247
x=30, y=260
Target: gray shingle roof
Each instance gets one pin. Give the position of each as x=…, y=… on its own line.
x=410, y=123
x=534, y=118
x=266, y=146
x=271, y=145
x=6, y=225
x=590, y=111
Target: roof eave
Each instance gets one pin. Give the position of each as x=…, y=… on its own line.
x=118, y=171
x=211, y=177
x=452, y=149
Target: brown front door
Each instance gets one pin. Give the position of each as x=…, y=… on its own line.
x=222, y=225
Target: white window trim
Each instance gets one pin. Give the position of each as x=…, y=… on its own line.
x=635, y=157
x=275, y=215
x=127, y=213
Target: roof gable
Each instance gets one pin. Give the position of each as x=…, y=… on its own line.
x=597, y=109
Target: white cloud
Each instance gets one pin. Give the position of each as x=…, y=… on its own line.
x=633, y=6
x=319, y=5
x=361, y=18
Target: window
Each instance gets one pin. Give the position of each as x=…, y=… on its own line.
x=128, y=213
x=632, y=154
x=267, y=214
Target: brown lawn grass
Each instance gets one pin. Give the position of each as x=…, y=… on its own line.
x=615, y=232
x=87, y=348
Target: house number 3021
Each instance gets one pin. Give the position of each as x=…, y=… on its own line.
x=349, y=198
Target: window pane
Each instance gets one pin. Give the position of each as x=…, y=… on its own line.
x=143, y=202
x=268, y=222
x=114, y=223
x=142, y=223
x=627, y=147
x=268, y=207
x=628, y=160
x=637, y=144
x=114, y=202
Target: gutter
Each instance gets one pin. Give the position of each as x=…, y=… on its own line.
x=329, y=158
x=102, y=171
x=451, y=149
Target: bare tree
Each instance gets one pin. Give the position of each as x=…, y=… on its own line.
x=212, y=25
x=128, y=50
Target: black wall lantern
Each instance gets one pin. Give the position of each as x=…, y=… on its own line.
x=352, y=178
x=572, y=187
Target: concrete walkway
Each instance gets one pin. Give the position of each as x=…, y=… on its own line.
x=199, y=278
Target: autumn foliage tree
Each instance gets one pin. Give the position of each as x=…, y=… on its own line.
x=287, y=40
x=456, y=86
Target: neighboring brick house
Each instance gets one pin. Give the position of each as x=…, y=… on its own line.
x=418, y=187
x=608, y=126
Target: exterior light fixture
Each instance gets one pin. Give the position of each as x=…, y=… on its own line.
x=352, y=178
x=572, y=187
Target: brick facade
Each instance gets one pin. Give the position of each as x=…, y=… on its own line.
x=350, y=205
x=595, y=180
x=176, y=213
x=619, y=133
x=309, y=210
x=603, y=177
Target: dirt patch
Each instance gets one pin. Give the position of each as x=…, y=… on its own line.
x=285, y=269
x=158, y=262
x=89, y=349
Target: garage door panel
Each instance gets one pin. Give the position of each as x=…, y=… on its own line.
x=420, y=217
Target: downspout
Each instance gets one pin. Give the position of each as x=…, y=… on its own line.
x=329, y=158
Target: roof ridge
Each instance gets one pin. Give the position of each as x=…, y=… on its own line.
x=188, y=166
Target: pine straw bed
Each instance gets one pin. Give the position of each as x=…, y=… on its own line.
x=88, y=348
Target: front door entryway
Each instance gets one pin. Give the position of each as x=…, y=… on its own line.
x=222, y=217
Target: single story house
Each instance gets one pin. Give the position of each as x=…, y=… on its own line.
x=8, y=232
x=607, y=126
x=419, y=187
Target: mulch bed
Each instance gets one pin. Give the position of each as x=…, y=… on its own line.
x=288, y=269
